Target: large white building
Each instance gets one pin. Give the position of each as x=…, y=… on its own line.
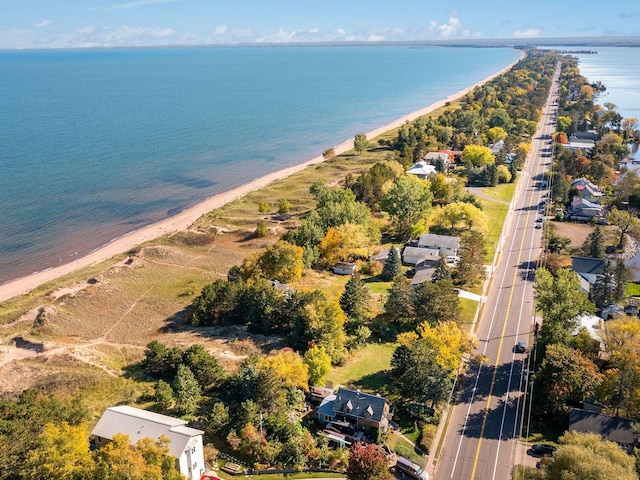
x=185, y=443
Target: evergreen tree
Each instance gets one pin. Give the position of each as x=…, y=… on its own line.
x=187, y=390
x=604, y=287
x=442, y=271
x=392, y=265
x=436, y=302
x=621, y=274
x=470, y=269
x=355, y=300
x=513, y=169
x=399, y=307
x=163, y=395
x=595, y=244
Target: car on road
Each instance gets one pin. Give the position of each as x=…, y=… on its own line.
x=538, y=225
x=543, y=449
x=539, y=220
x=520, y=347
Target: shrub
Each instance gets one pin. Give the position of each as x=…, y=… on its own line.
x=427, y=435
x=263, y=206
x=261, y=229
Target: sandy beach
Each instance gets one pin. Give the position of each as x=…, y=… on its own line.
x=184, y=219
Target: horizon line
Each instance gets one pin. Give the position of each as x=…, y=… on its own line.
x=574, y=41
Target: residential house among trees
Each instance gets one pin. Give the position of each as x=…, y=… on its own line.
x=421, y=169
x=588, y=270
x=185, y=443
x=362, y=410
x=587, y=190
x=615, y=429
x=582, y=209
x=431, y=247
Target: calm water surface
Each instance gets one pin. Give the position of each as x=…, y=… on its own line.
x=98, y=143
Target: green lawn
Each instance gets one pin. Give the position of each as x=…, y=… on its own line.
x=496, y=214
x=469, y=308
x=632, y=289
x=367, y=369
x=281, y=476
x=503, y=192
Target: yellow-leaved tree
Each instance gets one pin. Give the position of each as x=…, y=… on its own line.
x=288, y=367
x=450, y=343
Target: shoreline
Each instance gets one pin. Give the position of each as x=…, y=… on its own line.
x=187, y=217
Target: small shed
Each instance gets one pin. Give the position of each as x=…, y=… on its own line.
x=344, y=268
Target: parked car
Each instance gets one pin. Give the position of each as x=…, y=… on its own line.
x=521, y=347
x=412, y=469
x=543, y=449
x=538, y=226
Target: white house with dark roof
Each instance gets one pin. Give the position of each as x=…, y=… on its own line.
x=185, y=443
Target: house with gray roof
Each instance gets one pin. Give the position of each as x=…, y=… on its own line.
x=587, y=190
x=362, y=410
x=431, y=247
x=421, y=169
x=608, y=427
x=582, y=209
x=588, y=269
x=185, y=443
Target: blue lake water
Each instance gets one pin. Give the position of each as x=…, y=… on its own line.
x=97, y=143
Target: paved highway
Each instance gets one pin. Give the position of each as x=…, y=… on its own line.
x=485, y=422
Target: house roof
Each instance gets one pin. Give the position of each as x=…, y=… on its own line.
x=139, y=424
x=587, y=265
x=419, y=253
x=424, y=271
x=440, y=241
x=437, y=155
x=615, y=429
x=421, y=168
x=591, y=323
x=358, y=404
x=582, y=181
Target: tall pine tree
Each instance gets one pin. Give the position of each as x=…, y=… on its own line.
x=355, y=300
x=392, y=265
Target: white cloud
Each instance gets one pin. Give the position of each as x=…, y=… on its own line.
x=446, y=30
x=219, y=30
x=135, y=4
x=87, y=29
x=280, y=36
x=375, y=38
x=314, y=30
x=42, y=23
x=530, y=33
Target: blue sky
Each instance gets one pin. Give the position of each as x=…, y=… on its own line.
x=114, y=23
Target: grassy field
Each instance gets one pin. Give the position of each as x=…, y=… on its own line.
x=367, y=369
x=469, y=308
x=497, y=213
x=502, y=192
x=632, y=289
